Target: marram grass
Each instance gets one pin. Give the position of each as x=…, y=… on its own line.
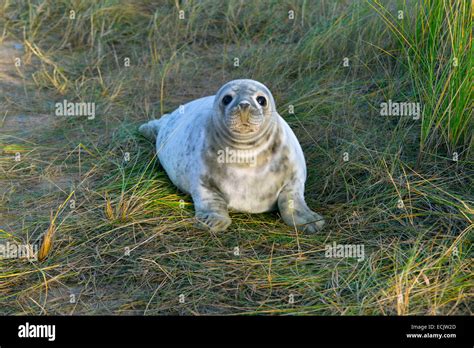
x=128, y=245
x=436, y=40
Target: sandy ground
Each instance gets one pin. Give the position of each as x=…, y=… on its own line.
x=17, y=127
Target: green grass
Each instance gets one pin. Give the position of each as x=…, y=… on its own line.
x=418, y=256
x=437, y=45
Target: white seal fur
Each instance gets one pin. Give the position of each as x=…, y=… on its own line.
x=233, y=151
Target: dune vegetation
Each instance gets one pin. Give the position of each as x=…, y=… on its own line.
x=116, y=237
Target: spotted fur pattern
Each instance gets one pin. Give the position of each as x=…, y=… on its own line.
x=265, y=170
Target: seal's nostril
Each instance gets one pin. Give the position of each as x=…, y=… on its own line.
x=244, y=105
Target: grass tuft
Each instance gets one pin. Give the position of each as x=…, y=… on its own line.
x=124, y=236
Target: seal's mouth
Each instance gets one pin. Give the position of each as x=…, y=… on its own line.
x=245, y=129
x=245, y=121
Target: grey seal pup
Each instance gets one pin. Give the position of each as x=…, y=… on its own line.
x=233, y=151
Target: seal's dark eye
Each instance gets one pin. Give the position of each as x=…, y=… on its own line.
x=262, y=101
x=226, y=100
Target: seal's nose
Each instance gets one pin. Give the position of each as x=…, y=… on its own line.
x=244, y=105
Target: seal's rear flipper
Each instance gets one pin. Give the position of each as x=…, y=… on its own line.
x=150, y=129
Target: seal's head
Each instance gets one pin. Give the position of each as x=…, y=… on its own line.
x=244, y=108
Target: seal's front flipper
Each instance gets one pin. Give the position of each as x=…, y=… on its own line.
x=211, y=208
x=295, y=212
x=214, y=221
